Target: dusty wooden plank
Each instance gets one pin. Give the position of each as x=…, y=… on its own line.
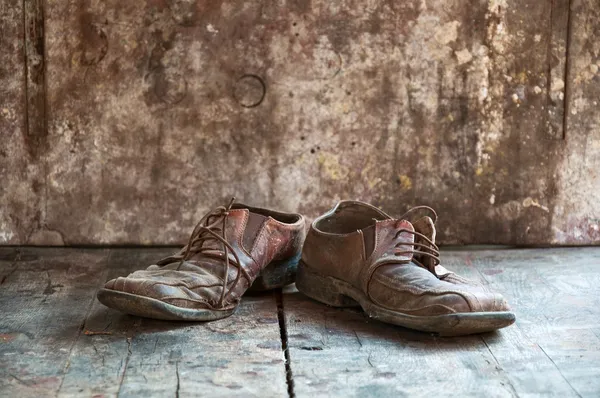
x=553, y=288
x=131, y=356
x=44, y=303
x=557, y=300
x=342, y=351
x=576, y=355
x=553, y=350
x=555, y=295
x=231, y=357
x=99, y=357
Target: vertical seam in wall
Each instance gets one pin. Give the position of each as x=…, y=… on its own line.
x=549, y=67
x=566, y=98
x=45, y=113
x=35, y=89
x=25, y=69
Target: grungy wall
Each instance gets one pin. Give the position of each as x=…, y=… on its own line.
x=124, y=122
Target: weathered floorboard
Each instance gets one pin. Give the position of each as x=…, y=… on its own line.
x=44, y=301
x=551, y=351
x=341, y=350
x=99, y=358
x=557, y=297
x=57, y=340
x=240, y=355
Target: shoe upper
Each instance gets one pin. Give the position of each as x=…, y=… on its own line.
x=394, y=262
x=224, y=255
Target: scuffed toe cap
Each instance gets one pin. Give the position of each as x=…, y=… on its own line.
x=111, y=284
x=482, y=301
x=178, y=288
x=121, y=284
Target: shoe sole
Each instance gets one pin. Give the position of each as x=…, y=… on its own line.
x=275, y=275
x=337, y=293
x=148, y=307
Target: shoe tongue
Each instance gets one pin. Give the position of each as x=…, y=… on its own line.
x=426, y=227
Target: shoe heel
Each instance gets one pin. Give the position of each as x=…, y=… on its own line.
x=276, y=274
x=320, y=288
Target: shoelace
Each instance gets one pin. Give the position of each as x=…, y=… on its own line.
x=431, y=249
x=211, y=227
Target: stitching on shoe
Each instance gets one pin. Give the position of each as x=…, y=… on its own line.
x=258, y=238
x=389, y=282
x=243, y=230
x=246, y=214
x=384, y=280
x=415, y=310
x=184, y=298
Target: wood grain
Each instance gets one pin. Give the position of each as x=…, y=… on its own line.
x=554, y=293
x=44, y=304
x=57, y=340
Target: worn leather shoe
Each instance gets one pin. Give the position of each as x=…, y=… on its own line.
x=357, y=255
x=232, y=248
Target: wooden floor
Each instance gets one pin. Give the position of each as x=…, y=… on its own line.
x=57, y=340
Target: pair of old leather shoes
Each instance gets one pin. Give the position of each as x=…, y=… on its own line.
x=354, y=255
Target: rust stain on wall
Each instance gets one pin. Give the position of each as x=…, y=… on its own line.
x=159, y=110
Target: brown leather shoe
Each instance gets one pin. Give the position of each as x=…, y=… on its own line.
x=231, y=249
x=356, y=255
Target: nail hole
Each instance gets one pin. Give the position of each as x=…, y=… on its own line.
x=302, y=138
x=312, y=150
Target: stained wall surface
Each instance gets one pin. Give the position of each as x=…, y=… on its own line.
x=124, y=122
